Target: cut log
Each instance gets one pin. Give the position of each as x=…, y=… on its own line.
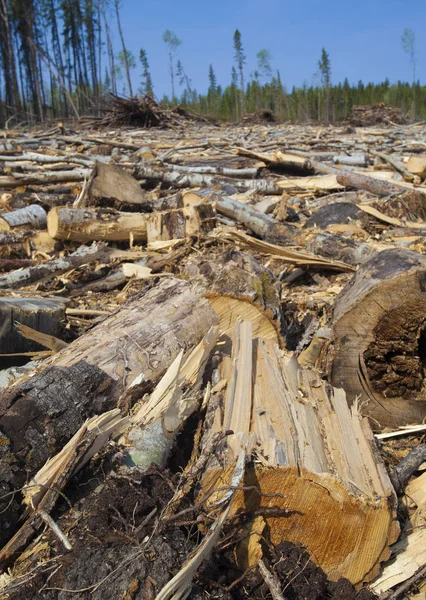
x=397, y=166
x=13, y=237
x=42, y=314
x=380, y=187
x=262, y=225
x=317, y=479
x=250, y=173
x=417, y=166
x=37, y=418
x=144, y=337
x=19, y=179
x=32, y=216
x=379, y=341
x=52, y=267
x=180, y=223
x=359, y=160
x=181, y=180
x=114, y=183
x=88, y=225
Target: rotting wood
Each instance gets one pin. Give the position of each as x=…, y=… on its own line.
x=378, y=324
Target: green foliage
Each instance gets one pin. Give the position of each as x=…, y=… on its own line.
x=172, y=41
x=324, y=66
x=126, y=55
x=264, y=64
x=147, y=86
x=307, y=104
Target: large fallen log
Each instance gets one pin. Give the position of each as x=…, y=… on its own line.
x=378, y=338
x=314, y=475
x=143, y=337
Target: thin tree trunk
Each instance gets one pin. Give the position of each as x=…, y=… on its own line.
x=126, y=57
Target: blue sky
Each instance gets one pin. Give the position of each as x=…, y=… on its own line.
x=361, y=36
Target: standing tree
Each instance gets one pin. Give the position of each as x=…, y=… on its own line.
x=147, y=87
x=240, y=59
x=234, y=88
x=324, y=66
x=212, y=94
x=186, y=81
x=264, y=64
x=172, y=42
x=125, y=53
x=408, y=40
x=126, y=61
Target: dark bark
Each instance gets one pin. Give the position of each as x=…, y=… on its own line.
x=407, y=467
x=37, y=419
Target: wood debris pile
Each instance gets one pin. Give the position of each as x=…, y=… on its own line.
x=140, y=111
x=376, y=114
x=212, y=368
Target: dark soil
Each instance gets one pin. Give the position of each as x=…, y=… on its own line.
x=112, y=560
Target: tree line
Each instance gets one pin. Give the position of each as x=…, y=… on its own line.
x=58, y=59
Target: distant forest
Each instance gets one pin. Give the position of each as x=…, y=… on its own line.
x=58, y=60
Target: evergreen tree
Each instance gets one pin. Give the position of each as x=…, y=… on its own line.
x=240, y=59
x=147, y=87
x=212, y=93
x=324, y=66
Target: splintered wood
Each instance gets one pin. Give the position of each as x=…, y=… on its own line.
x=213, y=354
x=313, y=461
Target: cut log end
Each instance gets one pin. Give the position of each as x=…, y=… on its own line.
x=379, y=338
x=346, y=534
